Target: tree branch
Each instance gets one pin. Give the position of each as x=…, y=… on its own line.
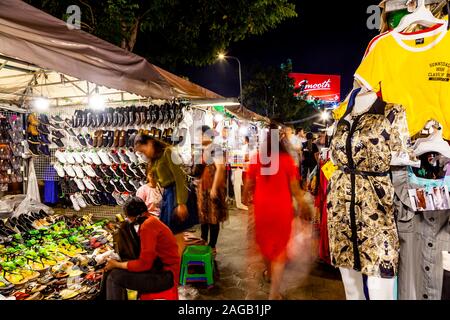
x=90, y=10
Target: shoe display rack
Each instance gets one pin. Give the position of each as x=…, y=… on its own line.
x=11, y=149
x=53, y=257
x=91, y=152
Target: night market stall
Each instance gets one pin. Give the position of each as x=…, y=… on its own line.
x=388, y=208
x=71, y=105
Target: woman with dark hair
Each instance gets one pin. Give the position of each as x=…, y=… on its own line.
x=165, y=167
x=272, y=182
x=211, y=190
x=157, y=268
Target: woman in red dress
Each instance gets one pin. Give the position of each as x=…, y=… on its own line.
x=272, y=185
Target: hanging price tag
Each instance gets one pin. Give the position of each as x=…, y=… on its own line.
x=328, y=169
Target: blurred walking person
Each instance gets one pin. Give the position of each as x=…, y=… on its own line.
x=272, y=195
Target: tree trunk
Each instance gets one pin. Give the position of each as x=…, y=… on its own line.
x=130, y=35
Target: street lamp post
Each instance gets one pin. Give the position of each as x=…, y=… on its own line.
x=224, y=57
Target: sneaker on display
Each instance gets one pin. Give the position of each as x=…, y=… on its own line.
x=132, y=156
x=58, y=142
x=140, y=158
x=87, y=182
x=97, y=171
x=118, y=198
x=57, y=119
x=107, y=171
x=78, y=171
x=57, y=134
x=59, y=170
x=126, y=185
x=75, y=203
x=81, y=140
x=123, y=172
x=78, y=158
x=56, y=126
x=60, y=156
x=44, y=119
x=86, y=157
x=89, y=171
x=87, y=199
x=70, y=131
x=135, y=184
x=44, y=150
x=142, y=183
x=124, y=157
x=97, y=186
x=80, y=184
x=108, y=187
x=117, y=186
x=104, y=157
x=95, y=158
x=93, y=199
x=69, y=158
x=69, y=170
x=114, y=157
x=43, y=129
x=135, y=171
x=44, y=138
x=80, y=200
x=125, y=196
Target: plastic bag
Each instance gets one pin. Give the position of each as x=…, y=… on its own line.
x=300, y=246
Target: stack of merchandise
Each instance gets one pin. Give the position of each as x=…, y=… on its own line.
x=92, y=150
x=53, y=257
x=11, y=150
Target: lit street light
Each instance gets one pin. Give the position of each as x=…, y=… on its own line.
x=221, y=57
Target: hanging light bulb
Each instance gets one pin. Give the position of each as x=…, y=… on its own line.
x=243, y=130
x=41, y=104
x=97, y=102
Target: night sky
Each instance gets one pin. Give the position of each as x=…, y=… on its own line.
x=327, y=37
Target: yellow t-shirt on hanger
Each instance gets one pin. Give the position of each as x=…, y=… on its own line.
x=412, y=70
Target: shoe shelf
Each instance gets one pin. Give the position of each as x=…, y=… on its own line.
x=90, y=153
x=11, y=149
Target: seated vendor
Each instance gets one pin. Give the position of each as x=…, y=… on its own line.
x=157, y=241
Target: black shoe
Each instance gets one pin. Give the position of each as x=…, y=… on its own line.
x=97, y=171
x=137, y=171
x=44, y=119
x=90, y=123
x=97, y=185
x=87, y=199
x=34, y=149
x=114, y=157
x=131, y=138
x=121, y=120
x=72, y=186
x=107, y=186
x=115, y=118
x=89, y=140
x=122, y=172
x=110, y=139
x=109, y=118
x=128, y=187
x=44, y=150
x=56, y=126
x=117, y=186
x=123, y=156
x=149, y=115
x=131, y=115
x=58, y=142
x=57, y=134
x=143, y=115
x=135, y=184
x=102, y=199
x=44, y=138
x=43, y=129
x=57, y=119
x=107, y=172
x=94, y=200
x=156, y=114
x=70, y=131
x=82, y=141
x=82, y=118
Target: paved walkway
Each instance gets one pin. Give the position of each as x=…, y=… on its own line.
x=240, y=270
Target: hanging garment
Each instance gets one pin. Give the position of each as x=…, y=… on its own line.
x=423, y=237
x=412, y=71
x=361, y=223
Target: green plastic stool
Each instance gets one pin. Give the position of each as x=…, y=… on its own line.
x=195, y=255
